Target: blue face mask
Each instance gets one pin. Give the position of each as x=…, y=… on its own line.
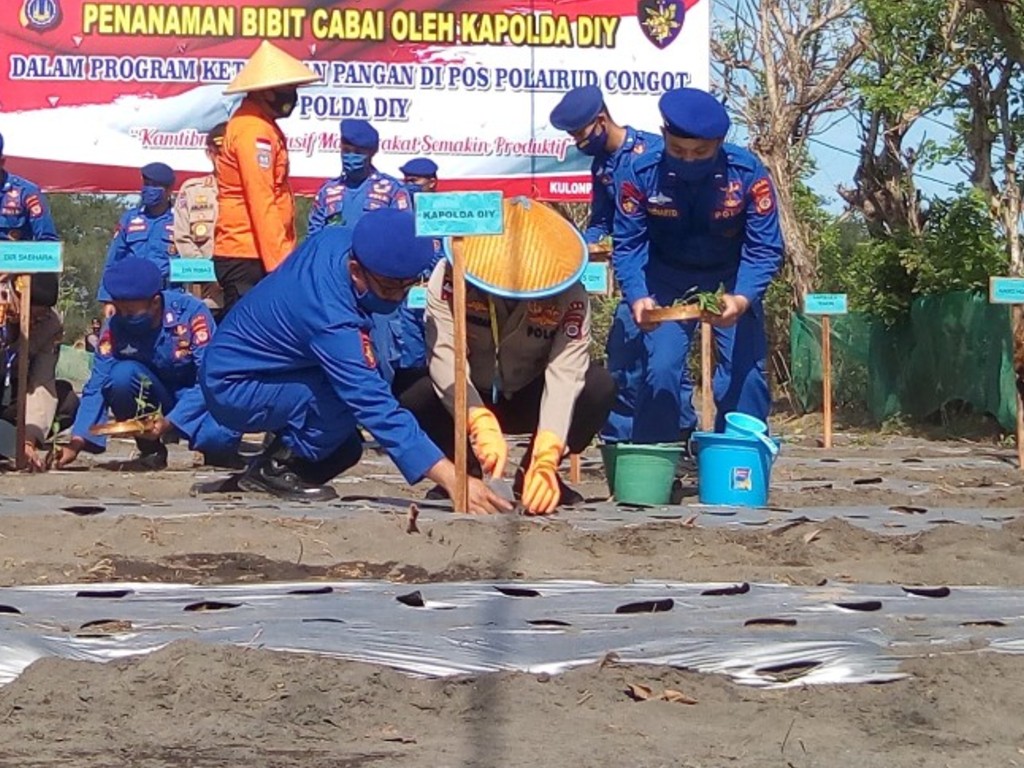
x=691, y=170
x=374, y=304
x=593, y=143
x=356, y=165
x=152, y=196
x=133, y=326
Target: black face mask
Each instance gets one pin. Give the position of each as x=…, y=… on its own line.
x=281, y=102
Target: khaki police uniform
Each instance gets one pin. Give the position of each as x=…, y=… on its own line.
x=195, y=216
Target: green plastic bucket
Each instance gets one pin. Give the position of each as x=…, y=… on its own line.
x=641, y=474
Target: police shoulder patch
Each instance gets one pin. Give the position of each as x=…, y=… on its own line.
x=368, y=354
x=762, y=196
x=200, y=331
x=631, y=199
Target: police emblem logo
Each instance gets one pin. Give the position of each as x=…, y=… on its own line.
x=660, y=20
x=630, y=199
x=200, y=230
x=763, y=197
x=733, y=195
x=34, y=206
x=40, y=15
x=263, y=153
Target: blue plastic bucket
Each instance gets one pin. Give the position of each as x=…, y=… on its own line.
x=733, y=470
x=745, y=425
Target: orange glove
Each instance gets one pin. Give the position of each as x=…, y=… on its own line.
x=488, y=442
x=541, y=492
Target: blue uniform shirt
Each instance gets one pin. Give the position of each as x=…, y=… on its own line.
x=608, y=173
x=174, y=352
x=339, y=203
x=139, y=235
x=303, y=319
x=24, y=211
x=725, y=224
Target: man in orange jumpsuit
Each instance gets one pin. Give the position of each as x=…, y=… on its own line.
x=255, y=227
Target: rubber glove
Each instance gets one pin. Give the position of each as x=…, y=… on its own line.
x=541, y=491
x=488, y=442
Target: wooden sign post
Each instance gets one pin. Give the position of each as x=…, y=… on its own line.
x=24, y=259
x=459, y=214
x=707, y=399
x=1010, y=290
x=825, y=305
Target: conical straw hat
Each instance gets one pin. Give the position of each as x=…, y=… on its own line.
x=539, y=254
x=270, y=67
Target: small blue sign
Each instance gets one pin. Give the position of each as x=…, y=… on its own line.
x=417, y=298
x=1006, y=290
x=825, y=304
x=28, y=257
x=193, y=271
x=595, y=277
x=451, y=214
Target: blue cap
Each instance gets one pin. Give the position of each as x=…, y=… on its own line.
x=384, y=241
x=693, y=114
x=577, y=108
x=132, y=279
x=359, y=133
x=158, y=173
x=419, y=166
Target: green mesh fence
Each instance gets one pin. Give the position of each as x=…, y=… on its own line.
x=74, y=365
x=953, y=347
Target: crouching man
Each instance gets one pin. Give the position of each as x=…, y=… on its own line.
x=147, y=363
x=528, y=337
x=294, y=358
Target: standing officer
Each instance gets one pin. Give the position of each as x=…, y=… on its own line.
x=195, y=215
x=341, y=202
x=294, y=358
x=528, y=341
x=24, y=211
x=582, y=113
x=701, y=214
x=420, y=175
x=255, y=227
x=146, y=231
x=149, y=356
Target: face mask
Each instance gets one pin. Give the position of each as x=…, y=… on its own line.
x=282, y=103
x=152, y=196
x=132, y=325
x=593, y=143
x=374, y=304
x=691, y=170
x=356, y=165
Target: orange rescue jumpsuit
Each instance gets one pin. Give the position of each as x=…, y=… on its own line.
x=256, y=207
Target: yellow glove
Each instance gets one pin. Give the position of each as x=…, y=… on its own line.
x=541, y=492
x=488, y=442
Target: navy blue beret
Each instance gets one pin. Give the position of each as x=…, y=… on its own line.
x=384, y=241
x=693, y=113
x=359, y=133
x=419, y=166
x=132, y=279
x=158, y=173
x=577, y=108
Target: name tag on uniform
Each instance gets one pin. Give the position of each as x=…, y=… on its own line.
x=192, y=271
x=595, y=277
x=417, y=298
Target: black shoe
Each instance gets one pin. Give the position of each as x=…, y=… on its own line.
x=269, y=473
x=437, y=493
x=224, y=460
x=152, y=455
x=568, y=497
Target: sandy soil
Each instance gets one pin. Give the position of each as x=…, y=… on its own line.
x=197, y=705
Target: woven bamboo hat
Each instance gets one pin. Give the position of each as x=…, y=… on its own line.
x=270, y=67
x=539, y=254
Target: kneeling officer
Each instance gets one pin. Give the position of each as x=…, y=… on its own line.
x=294, y=358
x=147, y=362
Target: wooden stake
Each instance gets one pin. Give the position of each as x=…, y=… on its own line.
x=21, y=460
x=575, y=472
x=826, y=376
x=707, y=401
x=461, y=500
